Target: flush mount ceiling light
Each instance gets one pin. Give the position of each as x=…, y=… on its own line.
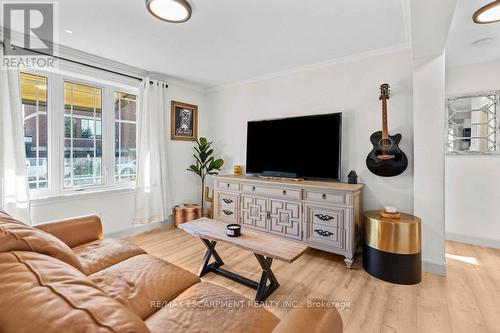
x=488, y=14
x=173, y=11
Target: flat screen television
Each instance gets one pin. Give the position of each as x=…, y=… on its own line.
x=308, y=147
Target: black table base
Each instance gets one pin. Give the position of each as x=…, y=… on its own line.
x=263, y=288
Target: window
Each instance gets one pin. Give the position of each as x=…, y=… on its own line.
x=34, y=106
x=125, y=137
x=82, y=135
x=84, y=138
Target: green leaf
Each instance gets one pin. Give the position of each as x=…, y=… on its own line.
x=203, y=141
x=218, y=163
x=197, y=159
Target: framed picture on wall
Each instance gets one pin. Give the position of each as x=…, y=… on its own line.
x=183, y=121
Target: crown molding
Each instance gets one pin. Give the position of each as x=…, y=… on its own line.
x=94, y=60
x=342, y=60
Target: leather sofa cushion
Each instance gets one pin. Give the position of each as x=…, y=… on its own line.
x=42, y=294
x=17, y=236
x=144, y=283
x=207, y=308
x=103, y=253
x=75, y=231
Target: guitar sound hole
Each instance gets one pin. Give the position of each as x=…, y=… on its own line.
x=385, y=144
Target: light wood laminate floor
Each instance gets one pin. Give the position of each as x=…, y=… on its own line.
x=466, y=300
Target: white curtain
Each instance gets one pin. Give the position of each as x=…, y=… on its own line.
x=14, y=194
x=152, y=195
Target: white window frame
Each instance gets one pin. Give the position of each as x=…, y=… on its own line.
x=55, y=131
x=118, y=178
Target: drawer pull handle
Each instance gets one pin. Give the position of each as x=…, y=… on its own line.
x=228, y=201
x=323, y=196
x=324, y=233
x=227, y=212
x=228, y=185
x=284, y=192
x=253, y=188
x=323, y=217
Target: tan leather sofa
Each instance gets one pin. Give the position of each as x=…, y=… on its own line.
x=64, y=277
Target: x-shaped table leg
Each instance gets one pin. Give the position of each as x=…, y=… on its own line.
x=263, y=288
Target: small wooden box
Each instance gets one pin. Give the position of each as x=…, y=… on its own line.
x=185, y=213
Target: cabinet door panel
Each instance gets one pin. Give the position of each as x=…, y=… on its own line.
x=254, y=212
x=285, y=218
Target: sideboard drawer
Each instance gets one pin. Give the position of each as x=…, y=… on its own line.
x=227, y=185
x=325, y=235
x=330, y=197
x=227, y=205
x=324, y=215
x=284, y=193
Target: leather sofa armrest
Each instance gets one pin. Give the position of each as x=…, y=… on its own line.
x=311, y=317
x=75, y=231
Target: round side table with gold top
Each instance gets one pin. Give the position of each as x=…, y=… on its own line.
x=392, y=247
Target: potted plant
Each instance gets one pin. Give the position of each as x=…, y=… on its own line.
x=205, y=163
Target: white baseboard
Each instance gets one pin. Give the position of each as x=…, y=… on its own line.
x=433, y=267
x=473, y=240
x=137, y=229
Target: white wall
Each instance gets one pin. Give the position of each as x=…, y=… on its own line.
x=351, y=88
x=473, y=182
x=428, y=96
x=116, y=207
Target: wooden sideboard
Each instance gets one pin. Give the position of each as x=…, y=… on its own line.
x=323, y=215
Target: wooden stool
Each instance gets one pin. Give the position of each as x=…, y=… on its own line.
x=392, y=248
x=185, y=213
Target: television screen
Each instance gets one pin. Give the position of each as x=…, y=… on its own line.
x=308, y=146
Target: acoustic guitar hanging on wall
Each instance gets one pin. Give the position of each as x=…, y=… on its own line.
x=386, y=159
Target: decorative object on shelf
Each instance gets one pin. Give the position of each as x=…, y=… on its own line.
x=488, y=14
x=205, y=163
x=392, y=248
x=386, y=159
x=185, y=212
x=472, y=123
x=237, y=170
x=352, y=177
x=390, y=212
x=183, y=121
x=172, y=11
x=209, y=197
x=233, y=230
x=395, y=216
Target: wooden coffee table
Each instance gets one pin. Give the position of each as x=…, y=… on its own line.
x=265, y=247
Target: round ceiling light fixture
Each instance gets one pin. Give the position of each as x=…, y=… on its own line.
x=488, y=14
x=173, y=11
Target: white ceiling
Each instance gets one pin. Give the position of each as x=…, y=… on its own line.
x=464, y=32
x=227, y=41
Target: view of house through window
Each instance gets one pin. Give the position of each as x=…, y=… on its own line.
x=92, y=129
x=82, y=135
x=125, y=136
x=34, y=106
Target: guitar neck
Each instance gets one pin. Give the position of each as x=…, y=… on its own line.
x=385, y=132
